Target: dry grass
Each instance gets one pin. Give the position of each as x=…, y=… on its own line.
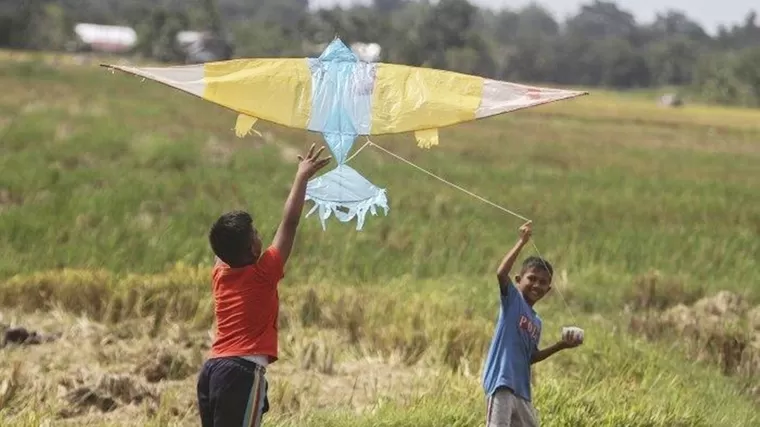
x=722, y=329
x=350, y=351
x=134, y=354
x=96, y=373
x=656, y=291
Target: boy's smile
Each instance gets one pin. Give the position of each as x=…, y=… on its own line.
x=534, y=284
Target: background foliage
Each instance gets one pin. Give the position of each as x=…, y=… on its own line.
x=601, y=45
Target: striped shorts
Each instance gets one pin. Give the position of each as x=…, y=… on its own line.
x=232, y=392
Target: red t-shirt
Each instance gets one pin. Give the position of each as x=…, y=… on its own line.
x=246, y=304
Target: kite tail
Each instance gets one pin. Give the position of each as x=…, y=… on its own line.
x=347, y=195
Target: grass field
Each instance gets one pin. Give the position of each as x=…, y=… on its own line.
x=108, y=186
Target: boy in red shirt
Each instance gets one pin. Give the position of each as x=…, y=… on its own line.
x=232, y=387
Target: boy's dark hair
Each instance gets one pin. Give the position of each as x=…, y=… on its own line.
x=230, y=237
x=537, y=263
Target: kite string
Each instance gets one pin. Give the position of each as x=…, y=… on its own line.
x=358, y=151
x=448, y=182
x=562, y=297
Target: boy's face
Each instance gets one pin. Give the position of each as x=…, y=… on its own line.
x=534, y=284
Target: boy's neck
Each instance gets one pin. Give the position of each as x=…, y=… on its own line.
x=246, y=263
x=527, y=301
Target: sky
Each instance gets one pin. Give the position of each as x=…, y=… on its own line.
x=709, y=13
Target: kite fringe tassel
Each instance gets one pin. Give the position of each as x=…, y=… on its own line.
x=426, y=138
x=244, y=125
x=425, y=144
x=356, y=210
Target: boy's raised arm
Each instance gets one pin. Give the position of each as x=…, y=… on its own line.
x=291, y=215
x=502, y=273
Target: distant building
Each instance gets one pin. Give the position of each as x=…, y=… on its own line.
x=188, y=38
x=671, y=100
x=369, y=52
x=104, y=38
x=199, y=47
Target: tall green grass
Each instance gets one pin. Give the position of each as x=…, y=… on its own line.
x=103, y=171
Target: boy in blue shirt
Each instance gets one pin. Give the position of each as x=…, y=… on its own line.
x=514, y=347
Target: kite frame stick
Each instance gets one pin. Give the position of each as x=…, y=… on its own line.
x=125, y=70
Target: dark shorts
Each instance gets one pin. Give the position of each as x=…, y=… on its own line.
x=232, y=392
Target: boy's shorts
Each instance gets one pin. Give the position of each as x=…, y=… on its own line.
x=232, y=392
x=504, y=409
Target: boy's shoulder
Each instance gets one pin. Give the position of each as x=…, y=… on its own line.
x=511, y=297
x=507, y=289
x=270, y=264
x=269, y=268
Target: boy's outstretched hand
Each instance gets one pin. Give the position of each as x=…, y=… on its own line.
x=502, y=273
x=286, y=232
x=526, y=230
x=308, y=166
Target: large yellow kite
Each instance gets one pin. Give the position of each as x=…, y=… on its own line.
x=342, y=97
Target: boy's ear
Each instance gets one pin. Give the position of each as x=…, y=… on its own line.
x=517, y=278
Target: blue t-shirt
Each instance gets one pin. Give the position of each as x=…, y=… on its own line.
x=515, y=340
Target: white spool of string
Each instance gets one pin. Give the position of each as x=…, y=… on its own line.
x=568, y=330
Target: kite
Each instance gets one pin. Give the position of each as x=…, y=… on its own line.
x=342, y=98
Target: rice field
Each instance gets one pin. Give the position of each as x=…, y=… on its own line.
x=108, y=186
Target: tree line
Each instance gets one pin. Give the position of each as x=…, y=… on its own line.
x=602, y=45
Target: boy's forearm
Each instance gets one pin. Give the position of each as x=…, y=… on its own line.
x=291, y=215
x=509, y=260
x=541, y=355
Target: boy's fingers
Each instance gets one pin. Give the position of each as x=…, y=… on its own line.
x=321, y=149
x=311, y=150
